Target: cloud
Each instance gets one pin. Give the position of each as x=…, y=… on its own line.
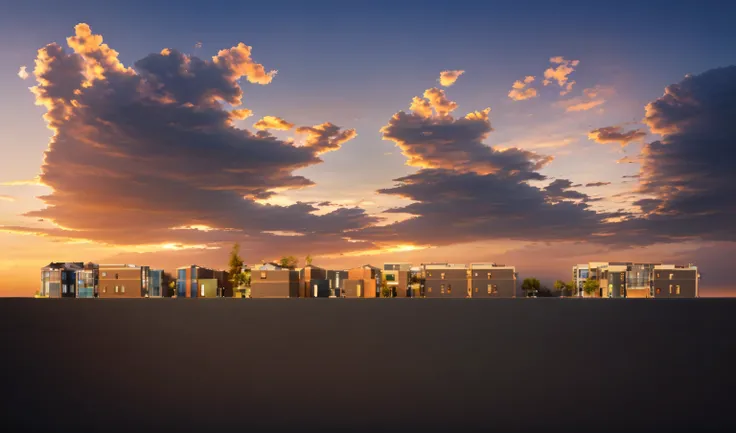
x=439, y=102
x=616, y=134
x=592, y=97
x=4, y=197
x=443, y=141
x=520, y=90
x=686, y=178
x=241, y=113
x=469, y=191
x=629, y=160
x=22, y=73
x=198, y=45
x=630, y=176
x=560, y=73
x=273, y=122
x=448, y=78
x=325, y=137
x=559, y=189
x=139, y=151
x=595, y=184
x=461, y=207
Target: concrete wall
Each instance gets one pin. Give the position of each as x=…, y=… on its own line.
x=685, y=278
x=353, y=288
x=453, y=285
x=127, y=280
x=275, y=284
x=504, y=281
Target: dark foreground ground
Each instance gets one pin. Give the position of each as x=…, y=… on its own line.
x=367, y=365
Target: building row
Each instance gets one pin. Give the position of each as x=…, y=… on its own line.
x=430, y=280
x=270, y=280
x=636, y=280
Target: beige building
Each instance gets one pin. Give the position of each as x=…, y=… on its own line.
x=122, y=281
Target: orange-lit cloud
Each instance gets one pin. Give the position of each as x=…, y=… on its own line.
x=560, y=73
x=4, y=197
x=240, y=113
x=520, y=90
x=616, y=134
x=448, y=78
x=439, y=102
x=22, y=73
x=273, y=122
x=325, y=137
x=158, y=140
x=592, y=97
x=237, y=60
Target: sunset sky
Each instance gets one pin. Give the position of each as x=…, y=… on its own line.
x=537, y=134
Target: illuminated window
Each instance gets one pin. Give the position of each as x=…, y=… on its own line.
x=122, y=289
x=658, y=275
x=489, y=275
x=658, y=290
x=476, y=274
x=104, y=289
x=429, y=274
x=263, y=275
x=476, y=290
x=442, y=275
x=429, y=290
x=490, y=288
x=64, y=287
x=442, y=289
x=677, y=289
x=672, y=276
x=670, y=289
x=495, y=289
x=116, y=289
x=104, y=274
x=449, y=289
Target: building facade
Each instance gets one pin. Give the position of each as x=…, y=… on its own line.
x=59, y=279
x=189, y=286
x=397, y=277
x=492, y=281
x=445, y=280
x=313, y=282
x=363, y=282
x=123, y=281
x=335, y=280
x=673, y=281
x=579, y=275
x=88, y=281
x=275, y=283
x=155, y=283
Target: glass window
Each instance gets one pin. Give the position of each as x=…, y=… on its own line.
x=442, y=289
x=263, y=275
x=104, y=289
x=116, y=289
x=677, y=289
x=476, y=290
x=122, y=289
x=490, y=288
x=658, y=290
x=116, y=276
x=495, y=289
x=442, y=275
x=489, y=275
x=670, y=289
x=390, y=277
x=104, y=274
x=476, y=274
x=429, y=289
x=64, y=288
x=449, y=289
x=672, y=276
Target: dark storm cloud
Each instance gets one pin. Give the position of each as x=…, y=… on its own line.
x=595, y=184
x=139, y=151
x=688, y=175
x=559, y=189
x=616, y=134
x=454, y=207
